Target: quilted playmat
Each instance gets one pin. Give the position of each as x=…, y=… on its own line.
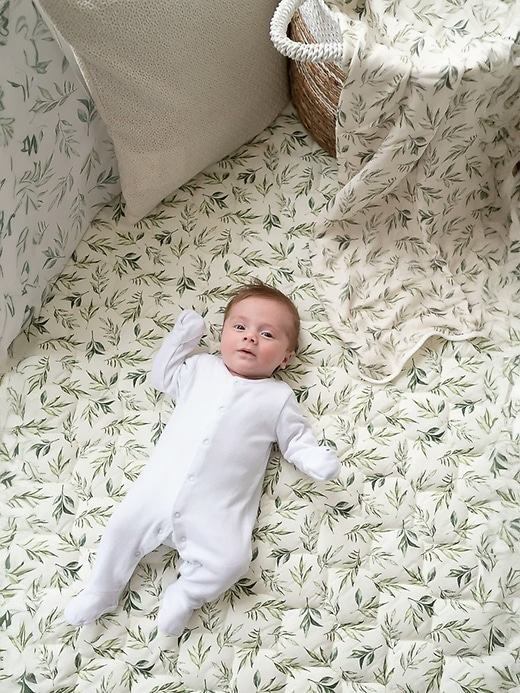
x=401, y=576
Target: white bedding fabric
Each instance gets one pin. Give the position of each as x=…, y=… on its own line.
x=401, y=576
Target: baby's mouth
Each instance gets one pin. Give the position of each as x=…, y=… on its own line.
x=246, y=351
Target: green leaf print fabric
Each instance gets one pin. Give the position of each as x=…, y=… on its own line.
x=57, y=165
x=415, y=243
x=401, y=576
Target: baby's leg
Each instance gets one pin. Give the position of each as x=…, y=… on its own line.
x=89, y=605
x=197, y=584
x=120, y=550
x=115, y=562
x=175, y=610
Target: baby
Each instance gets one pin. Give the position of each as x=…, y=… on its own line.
x=201, y=489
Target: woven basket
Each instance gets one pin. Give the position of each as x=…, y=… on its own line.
x=315, y=88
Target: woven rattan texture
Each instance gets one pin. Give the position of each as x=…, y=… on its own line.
x=315, y=89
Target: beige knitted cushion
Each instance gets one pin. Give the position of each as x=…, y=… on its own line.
x=179, y=83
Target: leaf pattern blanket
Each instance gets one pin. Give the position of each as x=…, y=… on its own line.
x=402, y=576
x=417, y=242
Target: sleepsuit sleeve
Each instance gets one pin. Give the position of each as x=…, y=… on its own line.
x=299, y=446
x=176, y=347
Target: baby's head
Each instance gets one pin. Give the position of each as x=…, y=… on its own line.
x=260, y=331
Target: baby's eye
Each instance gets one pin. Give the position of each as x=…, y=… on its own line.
x=269, y=335
x=239, y=327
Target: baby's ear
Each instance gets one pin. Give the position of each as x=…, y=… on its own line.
x=286, y=359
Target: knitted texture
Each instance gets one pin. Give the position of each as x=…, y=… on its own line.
x=178, y=86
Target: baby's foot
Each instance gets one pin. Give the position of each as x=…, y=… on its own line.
x=89, y=605
x=175, y=612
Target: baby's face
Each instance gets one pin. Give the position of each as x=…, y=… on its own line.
x=255, y=337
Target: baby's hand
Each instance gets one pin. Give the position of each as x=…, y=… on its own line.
x=190, y=326
x=176, y=347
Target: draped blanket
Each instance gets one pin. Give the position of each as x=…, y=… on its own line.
x=417, y=242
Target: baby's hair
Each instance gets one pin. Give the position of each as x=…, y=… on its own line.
x=258, y=288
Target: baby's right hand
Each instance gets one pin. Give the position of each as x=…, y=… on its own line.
x=190, y=325
x=175, y=349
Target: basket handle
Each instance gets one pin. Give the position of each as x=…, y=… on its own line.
x=308, y=52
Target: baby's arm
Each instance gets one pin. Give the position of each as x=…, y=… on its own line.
x=299, y=446
x=176, y=347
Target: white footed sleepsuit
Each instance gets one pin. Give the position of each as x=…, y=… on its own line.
x=201, y=489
